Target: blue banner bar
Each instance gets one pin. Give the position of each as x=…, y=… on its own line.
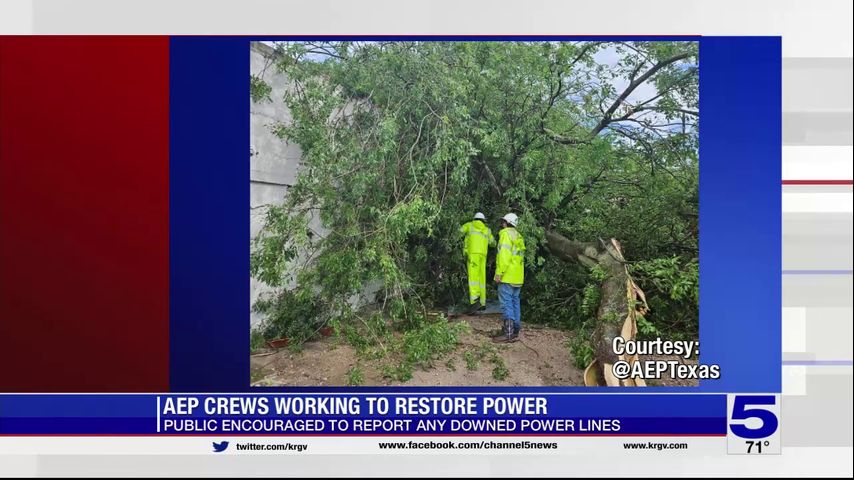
x=369, y=414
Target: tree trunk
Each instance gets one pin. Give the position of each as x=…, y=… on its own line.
x=620, y=302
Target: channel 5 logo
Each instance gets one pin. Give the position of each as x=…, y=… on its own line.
x=754, y=424
x=754, y=406
x=220, y=447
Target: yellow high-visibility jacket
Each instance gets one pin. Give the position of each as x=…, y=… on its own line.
x=478, y=238
x=509, y=264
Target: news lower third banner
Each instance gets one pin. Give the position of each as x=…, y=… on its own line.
x=364, y=414
x=367, y=422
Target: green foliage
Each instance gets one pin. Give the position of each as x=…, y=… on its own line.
x=360, y=342
x=290, y=314
x=672, y=287
x=499, y=371
x=581, y=344
x=259, y=90
x=472, y=360
x=473, y=357
x=581, y=347
x=421, y=347
x=646, y=329
x=403, y=141
x=553, y=293
x=355, y=376
x=401, y=372
x=590, y=297
x=597, y=273
x=256, y=340
x=673, y=276
x=418, y=347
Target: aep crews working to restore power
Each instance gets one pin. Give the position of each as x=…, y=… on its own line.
x=478, y=239
x=510, y=275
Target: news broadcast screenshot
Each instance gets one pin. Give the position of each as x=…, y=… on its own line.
x=469, y=239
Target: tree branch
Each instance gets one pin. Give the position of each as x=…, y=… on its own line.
x=631, y=88
x=571, y=250
x=491, y=177
x=608, y=115
x=588, y=186
x=556, y=93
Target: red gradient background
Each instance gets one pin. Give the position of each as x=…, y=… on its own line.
x=84, y=214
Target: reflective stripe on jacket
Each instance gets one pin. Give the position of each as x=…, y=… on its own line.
x=478, y=238
x=509, y=263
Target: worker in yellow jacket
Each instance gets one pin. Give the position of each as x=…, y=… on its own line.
x=510, y=275
x=478, y=239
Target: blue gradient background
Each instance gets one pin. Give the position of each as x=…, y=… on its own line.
x=740, y=219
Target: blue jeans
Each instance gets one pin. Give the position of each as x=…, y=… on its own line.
x=510, y=307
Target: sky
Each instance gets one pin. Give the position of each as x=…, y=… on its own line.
x=605, y=56
x=609, y=56
x=645, y=91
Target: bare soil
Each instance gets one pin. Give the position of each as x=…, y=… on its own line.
x=540, y=358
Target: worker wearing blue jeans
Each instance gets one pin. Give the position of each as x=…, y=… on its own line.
x=509, y=296
x=510, y=275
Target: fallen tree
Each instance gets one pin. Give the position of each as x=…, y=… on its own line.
x=403, y=141
x=622, y=300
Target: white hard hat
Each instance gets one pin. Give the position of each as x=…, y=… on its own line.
x=479, y=216
x=510, y=218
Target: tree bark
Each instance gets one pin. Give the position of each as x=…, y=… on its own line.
x=570, y=250
x=613, y=309
x=615, y=315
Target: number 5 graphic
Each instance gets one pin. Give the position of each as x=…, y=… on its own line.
x=741, y=412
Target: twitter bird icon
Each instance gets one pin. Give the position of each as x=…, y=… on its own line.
x=220, y=447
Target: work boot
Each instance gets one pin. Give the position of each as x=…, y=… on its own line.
x=472, y=309
x=503, y=338
x=506, y=333
x=515, y=335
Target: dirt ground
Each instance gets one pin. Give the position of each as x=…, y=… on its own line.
x=540, y=358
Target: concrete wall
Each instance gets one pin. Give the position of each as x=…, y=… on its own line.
x=273, y=163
